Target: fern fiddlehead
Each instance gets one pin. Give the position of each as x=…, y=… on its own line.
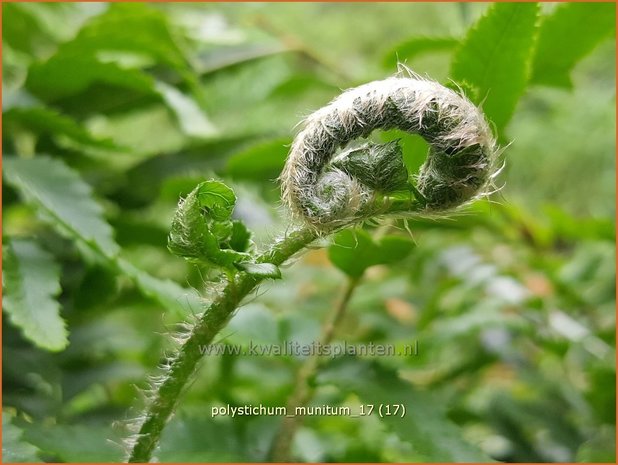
x=325, y=188
x=329, y=184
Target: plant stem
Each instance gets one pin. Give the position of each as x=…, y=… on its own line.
x=303, y=391
x=215, y=317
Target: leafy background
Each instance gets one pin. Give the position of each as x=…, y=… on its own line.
x=111, y=112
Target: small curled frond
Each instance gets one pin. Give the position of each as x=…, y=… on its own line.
x=327, y=181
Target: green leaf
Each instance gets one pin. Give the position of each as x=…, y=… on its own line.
x=201, y=230
x=353, y=251
x=217, y=198
x=169, y=294
x=495, y=57
x=76, y=443
x=253, y=324
x=378, y=166
x=227, y=56
x=260, y=162
x=190, y=236
x=115, y=30
x=14, y=448
x=65, y=201
x=203, y=440
x=62, y=197
x=31, y=283
x=415, y=46
x=50, y=80
x=41, y=120
x=22, y=31
x=240, y=239
x=425, y=424
x=262, y=270
x=566, y=36
x=394, y=248
x=601, y=448
x=99, y=53
x=192, y=120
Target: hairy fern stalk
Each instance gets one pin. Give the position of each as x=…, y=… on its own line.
x=330, y=181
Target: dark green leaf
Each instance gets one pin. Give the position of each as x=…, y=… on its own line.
x=566, y=36
x=425, y=425
x=190, y=236
x=495, y=57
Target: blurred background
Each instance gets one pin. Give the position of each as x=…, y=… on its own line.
x=112, y=112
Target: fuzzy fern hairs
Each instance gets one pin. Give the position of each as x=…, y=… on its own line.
x=328, y=183
x=325, y=188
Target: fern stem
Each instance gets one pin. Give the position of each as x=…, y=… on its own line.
x=303, y=391
x=215, y=317
x=168, y=392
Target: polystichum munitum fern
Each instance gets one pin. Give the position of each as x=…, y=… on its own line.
x=329, y=182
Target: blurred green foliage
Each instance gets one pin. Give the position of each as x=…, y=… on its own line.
x=111, y=113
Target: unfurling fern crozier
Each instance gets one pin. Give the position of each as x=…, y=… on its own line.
x=326, y=183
